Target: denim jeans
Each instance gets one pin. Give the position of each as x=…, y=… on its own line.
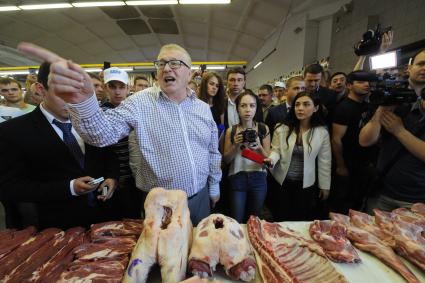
x=248, y=191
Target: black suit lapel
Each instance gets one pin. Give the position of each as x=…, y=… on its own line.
x=46, y=132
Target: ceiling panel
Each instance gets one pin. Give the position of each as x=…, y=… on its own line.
x=134, y=33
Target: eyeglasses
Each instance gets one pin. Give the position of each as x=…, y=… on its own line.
x=173, y=64
x=6, y=90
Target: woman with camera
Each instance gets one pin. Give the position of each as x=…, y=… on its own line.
x=248, y=182
x=297, y=147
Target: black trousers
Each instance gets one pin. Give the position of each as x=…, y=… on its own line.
x=292, y=202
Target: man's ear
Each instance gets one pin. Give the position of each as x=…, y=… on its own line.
x=40, y=88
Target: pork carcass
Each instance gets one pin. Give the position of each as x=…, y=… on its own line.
x=287, y=257
x=165, y=239
x=220, y=239
x=368, y=242
x=332, y=237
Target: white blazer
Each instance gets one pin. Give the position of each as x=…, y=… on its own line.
x=320, y=147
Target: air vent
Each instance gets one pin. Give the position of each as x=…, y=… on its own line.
x=164, y=26
x=134, y=26
x=124, y=12
x=161, y=12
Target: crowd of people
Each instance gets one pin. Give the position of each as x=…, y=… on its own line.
x=322, y=146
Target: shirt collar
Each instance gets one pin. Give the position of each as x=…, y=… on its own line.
x=49, y=116
x=191, y=95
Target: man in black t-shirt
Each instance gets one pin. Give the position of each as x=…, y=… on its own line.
x=351, y=159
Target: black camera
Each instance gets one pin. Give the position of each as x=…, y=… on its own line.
x=389, y=91
x=249, y=135
x=371, y=41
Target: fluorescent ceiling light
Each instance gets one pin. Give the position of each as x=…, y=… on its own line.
x=45, y=6
x=384, y=61
x=151, y=2
x=98, y=4
x=127, y=69
x=258, y=64
x=216, y=67
x=11, y=73
x=93, y=70
x=9, y=8
x=204, y=1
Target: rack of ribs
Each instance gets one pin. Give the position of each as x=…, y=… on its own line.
x=288, y=257
x=220, y=239
x=165, y=239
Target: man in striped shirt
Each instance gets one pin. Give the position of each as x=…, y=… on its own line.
x=176, y=132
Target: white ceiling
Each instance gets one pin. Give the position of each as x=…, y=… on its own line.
x=231, y=32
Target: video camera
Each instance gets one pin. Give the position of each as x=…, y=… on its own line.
x=371, y=41
x=386, y=90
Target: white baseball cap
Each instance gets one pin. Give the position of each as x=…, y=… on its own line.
x=115, y=74
x=280, y=84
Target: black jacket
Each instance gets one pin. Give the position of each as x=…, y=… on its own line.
x=37, y=168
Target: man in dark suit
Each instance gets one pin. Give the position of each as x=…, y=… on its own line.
x=328, y=98
x=46, y=168
x=277, y=114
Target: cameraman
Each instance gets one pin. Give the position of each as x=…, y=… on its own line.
x=401, y=160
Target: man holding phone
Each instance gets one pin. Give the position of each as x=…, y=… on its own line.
x=54, y=185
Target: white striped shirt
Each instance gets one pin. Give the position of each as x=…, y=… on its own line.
x=178, y=142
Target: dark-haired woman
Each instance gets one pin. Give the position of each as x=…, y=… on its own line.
x=297, y=147
x=248, y=180
x=212, y=92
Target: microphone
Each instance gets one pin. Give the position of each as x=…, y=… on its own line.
x=253, y=156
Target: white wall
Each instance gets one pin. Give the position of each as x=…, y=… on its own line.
x=312, y=43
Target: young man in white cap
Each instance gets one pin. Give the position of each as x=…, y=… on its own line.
x=129, y=197
x=279, y=91
x=116, y=82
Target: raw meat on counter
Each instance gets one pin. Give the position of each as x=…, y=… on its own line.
x=165, y=239
x=11, y=239
x=220, y=239
x=410, y=242
x=418, y=208
x=53, y=268
x=9, y=262
x=125, y=228
x=366, y=222
x=366, y=241
x=285, y=256
x=332, y=237
x=408, y=216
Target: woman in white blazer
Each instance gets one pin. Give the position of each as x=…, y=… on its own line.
x=297, y=146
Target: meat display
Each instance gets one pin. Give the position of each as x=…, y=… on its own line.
x=288, y=257
x=332, y=237
x=165, y=239
x=125, y=228
x=220, y=239
x=53, y=268
x=410, y=242
x=11, y=239
x=366, y=222
x=408, y=216
x=366, y=241
x=9, y=262
x=418, y=208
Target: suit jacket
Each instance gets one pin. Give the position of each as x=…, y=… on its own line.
x=320, y=147
x=37, y=167
x=276, y=115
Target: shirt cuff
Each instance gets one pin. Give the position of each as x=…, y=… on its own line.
x=85, y=109
x=71, y=188
x=214, y=190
